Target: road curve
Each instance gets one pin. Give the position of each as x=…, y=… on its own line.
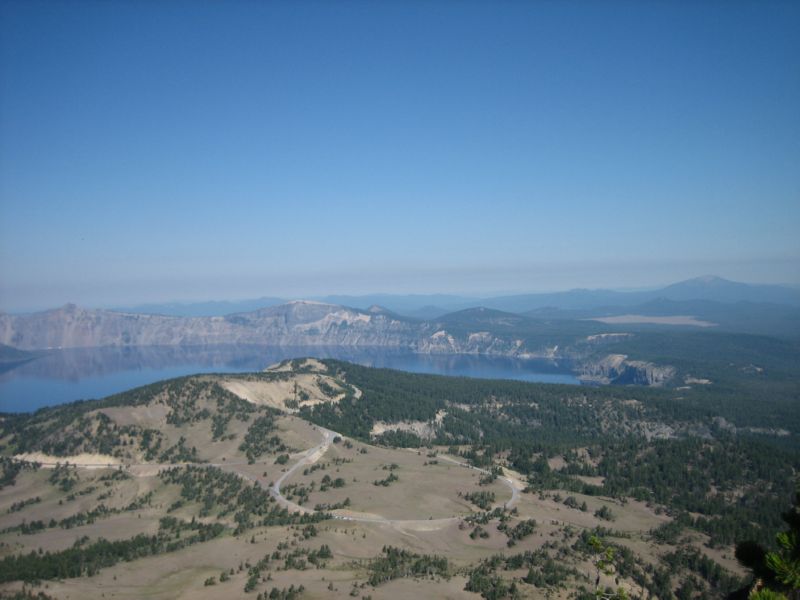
x=312, y=455
x=309, y=457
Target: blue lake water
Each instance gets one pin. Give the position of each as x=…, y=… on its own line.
x=66, y=375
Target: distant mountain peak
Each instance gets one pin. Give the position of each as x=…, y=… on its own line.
x=706, y=279
x=310, y=302
x=481, y=312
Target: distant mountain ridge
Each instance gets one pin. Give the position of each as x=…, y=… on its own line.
x=432, y=306
x=709, y=288
x=299, y=323
x=718, y=289
x=601, y=352
x=212, y=308
x=542, y=332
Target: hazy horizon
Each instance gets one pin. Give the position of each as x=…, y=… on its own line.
x=162, y=153
x=466, y=295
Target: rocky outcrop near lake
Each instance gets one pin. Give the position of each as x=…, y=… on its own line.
x=618, y=369
x=305, y=324
x=296, y=324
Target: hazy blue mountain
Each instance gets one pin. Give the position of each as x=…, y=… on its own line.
x=482, y=317
x=709, y=288
x=539, y=331
x=212, y=308
x=577, y=299
x=723, y=290
x=433, y=306
x=427, y=312
x=761, y=318
x=744, y=317
x=405, y=304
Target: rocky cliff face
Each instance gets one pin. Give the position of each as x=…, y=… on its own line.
x=441, y=341
x=296, y=323
x=305, y=324
x=300, y=323
x=617, y=369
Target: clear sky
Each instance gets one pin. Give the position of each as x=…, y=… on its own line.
x=154, y=151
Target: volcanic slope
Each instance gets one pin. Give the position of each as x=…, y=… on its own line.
x=210, y=485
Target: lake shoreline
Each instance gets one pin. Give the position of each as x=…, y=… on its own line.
x=67, y=375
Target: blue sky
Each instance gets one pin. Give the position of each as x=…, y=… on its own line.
x=154, y=151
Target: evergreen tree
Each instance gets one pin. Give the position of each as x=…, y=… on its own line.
x=776, y=573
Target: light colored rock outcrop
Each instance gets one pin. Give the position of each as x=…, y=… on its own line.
x=315, y=324
x=616, y=368
x=293, y=324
